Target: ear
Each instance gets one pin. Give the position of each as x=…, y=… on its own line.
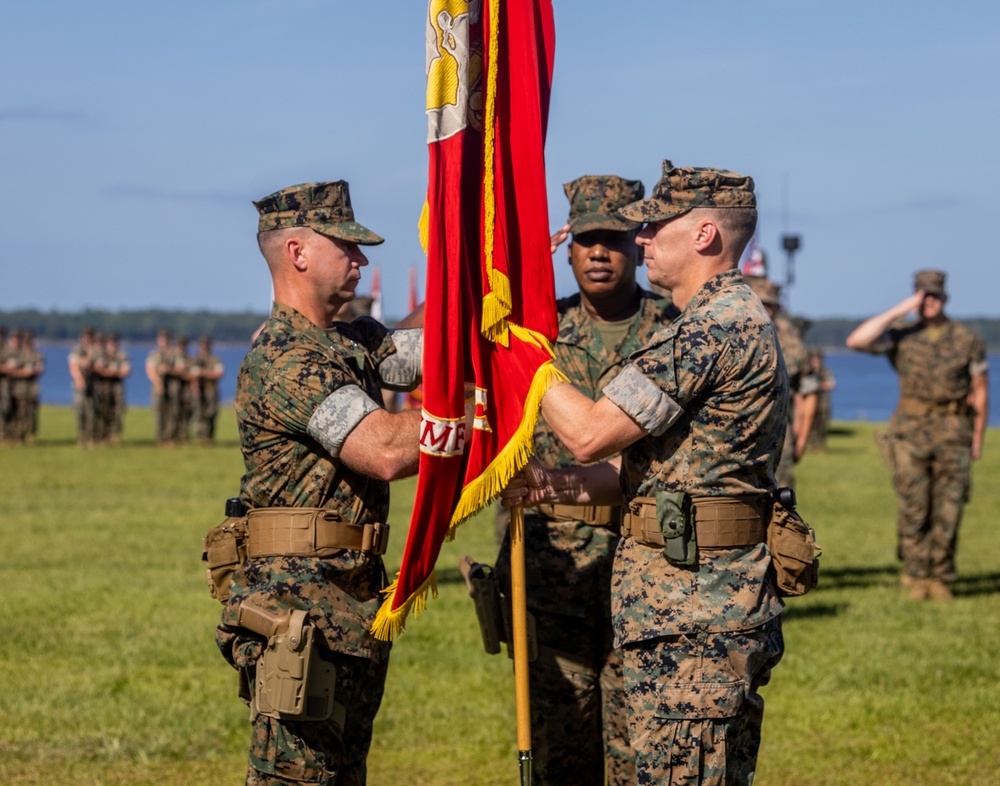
x=706, y=232
x=296, y=252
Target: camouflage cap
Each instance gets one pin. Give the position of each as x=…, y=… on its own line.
x=594, y=201
x=681, y=189
x=324, y=207
x=929, y=281
x=768, y=292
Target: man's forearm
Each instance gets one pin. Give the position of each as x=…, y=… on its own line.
x=591, y=430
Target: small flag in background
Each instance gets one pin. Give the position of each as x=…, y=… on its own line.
x=753, y=262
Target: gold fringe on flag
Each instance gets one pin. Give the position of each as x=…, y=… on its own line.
x=478, y=493
x=389, y=622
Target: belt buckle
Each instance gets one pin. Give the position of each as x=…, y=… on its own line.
x=380, y=538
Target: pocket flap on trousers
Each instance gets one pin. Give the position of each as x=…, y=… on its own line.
x=700, y=699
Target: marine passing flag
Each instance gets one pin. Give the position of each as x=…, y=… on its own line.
x=490, y=316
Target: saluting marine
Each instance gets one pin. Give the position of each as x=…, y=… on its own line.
x=937, y=429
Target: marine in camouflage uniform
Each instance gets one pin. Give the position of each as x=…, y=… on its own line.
x=313, y=435
x=936, y=430
x=158, y=362
x=701, y=410
x=80, y=360
x=111, y=367
x=578, y=716
x=24, y=366
x=4, y=385
x=207, y=370
x=803, y=383
x=827, y=383
x=177, y=394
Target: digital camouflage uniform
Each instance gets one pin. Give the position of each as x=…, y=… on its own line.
x=824, y=410
x=712, y=391
x=177, y=395
x=25, y=366
x=82, y=356
x=160, y=359
x=931, y=432
x=206, y=400
x=291, y=369
x=300, y=391
x=109, y=394
x=801, y=379
x=578, y=719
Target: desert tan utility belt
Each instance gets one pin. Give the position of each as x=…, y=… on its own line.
x=309, y=532
x=594, y=515
x=721, y=522
x=918, y=407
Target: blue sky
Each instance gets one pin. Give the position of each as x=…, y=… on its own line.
x=133, y=136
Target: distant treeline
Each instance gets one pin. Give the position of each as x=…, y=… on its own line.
x=142, y=325
x=136, y=325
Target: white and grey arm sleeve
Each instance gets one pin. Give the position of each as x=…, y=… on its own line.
x=338, y=415
x=402, y=370
x=639, y=398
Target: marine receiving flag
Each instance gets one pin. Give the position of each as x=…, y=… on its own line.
x=490, y=316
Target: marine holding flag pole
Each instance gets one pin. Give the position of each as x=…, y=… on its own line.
x=490, y=316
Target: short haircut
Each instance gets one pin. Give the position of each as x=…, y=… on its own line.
x=738, y=225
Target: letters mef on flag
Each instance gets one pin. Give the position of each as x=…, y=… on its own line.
x=489, y=315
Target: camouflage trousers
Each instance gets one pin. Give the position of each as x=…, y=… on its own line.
x=159, y=406
x=83, y=403
x=203, y=417
x=932, y=486
x=579, y=733
x=284, y=752
x=694, y=711
x=176, y=414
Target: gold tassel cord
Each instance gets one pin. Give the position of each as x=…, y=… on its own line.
x=496, y=302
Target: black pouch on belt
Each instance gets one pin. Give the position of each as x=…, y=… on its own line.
x=675, y=515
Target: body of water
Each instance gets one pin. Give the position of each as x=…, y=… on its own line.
x=866, y=384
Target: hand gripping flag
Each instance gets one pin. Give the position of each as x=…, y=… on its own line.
x=490, y=316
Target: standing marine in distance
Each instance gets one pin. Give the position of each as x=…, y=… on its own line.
x=937, y=429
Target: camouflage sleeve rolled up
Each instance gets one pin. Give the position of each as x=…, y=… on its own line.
x=338, y=415
x=639, y=398
x=402, y=369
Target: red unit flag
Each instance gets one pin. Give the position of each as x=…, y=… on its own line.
x=490, y=316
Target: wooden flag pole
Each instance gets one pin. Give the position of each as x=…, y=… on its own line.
x=519, y=620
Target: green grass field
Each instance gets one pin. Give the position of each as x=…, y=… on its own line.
x=109, y=674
